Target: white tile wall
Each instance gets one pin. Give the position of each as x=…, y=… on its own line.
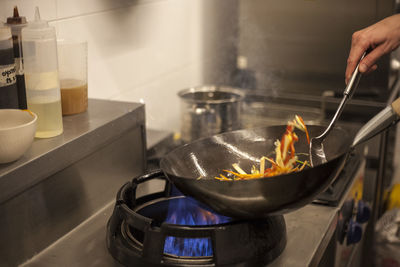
x=27, y=8
x=71, y=8
x=144, y=50
x=62, y=9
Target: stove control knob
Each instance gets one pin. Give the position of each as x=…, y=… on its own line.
x=347, y=209
x=363, y=212
x=354, y=232
x=345, y=214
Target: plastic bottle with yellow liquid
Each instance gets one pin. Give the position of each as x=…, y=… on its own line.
x=39, y=47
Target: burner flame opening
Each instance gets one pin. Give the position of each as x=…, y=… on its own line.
x=186, y=211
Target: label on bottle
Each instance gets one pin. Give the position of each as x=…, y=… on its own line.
x=19, y=66
x=7, y=75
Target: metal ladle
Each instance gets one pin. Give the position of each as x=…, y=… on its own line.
x=316, y=149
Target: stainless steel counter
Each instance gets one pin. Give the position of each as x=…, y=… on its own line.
x=62, y=181
x=308, y=229
x=78, y=227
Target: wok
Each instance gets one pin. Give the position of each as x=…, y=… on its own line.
x=206, y=158
x=192, y=168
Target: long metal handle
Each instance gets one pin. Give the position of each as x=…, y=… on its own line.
x=347, y=94
x=384, y=119
x=354, y=80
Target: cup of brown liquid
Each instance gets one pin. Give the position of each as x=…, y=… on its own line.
x=73, y=68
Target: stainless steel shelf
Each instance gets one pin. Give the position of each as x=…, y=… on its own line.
x=84, y=133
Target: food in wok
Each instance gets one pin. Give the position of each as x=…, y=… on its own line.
x=286, y=161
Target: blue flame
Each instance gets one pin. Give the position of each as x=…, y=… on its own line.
x=186, y=211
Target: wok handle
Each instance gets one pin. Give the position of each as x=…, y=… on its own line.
x=396, y=106
x=386, y=118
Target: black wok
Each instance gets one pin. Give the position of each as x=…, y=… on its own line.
x=192, y=169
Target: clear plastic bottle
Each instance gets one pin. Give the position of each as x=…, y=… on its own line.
x=39, y=47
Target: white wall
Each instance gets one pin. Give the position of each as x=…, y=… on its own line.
x=143, y=50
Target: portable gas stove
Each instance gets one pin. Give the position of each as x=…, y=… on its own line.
x=169, y=229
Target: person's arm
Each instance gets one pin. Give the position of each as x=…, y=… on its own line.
x=380, y=38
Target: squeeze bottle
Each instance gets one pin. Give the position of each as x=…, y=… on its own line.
x=8, y=81
x=39, y=47
x=16, y=23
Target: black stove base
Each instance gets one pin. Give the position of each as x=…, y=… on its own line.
x=139, y=228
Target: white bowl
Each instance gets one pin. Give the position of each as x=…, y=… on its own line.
x=17, y=131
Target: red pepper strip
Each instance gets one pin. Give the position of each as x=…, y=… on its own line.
x=282, y=142
x=289, y=130
x=292, y=151
x=305, y=128
x=294, y=139
x=267, y=170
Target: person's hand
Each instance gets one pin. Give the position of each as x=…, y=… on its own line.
x=380, y=38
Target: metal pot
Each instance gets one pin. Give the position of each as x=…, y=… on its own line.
x=209, y=110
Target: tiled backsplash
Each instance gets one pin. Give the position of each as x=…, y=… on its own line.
x=143, y=50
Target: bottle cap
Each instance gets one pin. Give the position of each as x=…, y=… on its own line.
x=16, y=19
x=38, y=29
x=5, y=33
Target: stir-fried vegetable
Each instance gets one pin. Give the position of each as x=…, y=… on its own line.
x=286, y=160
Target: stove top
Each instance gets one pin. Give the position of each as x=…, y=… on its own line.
x=336, y=190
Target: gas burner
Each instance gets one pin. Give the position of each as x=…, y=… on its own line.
x=169, y=229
